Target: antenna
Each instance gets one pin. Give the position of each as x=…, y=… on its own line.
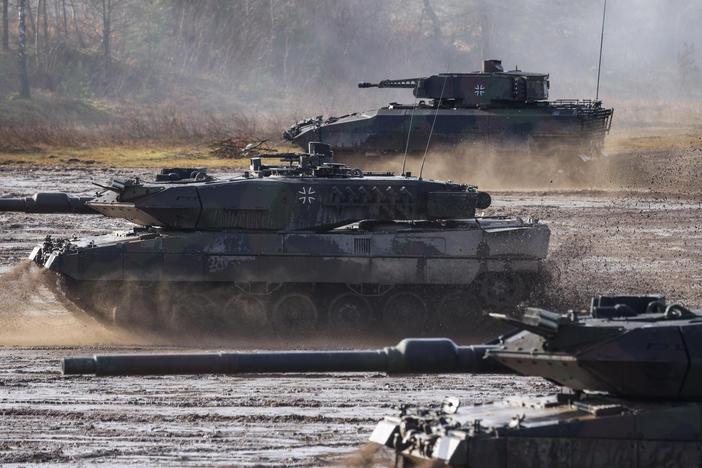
x=599, y=65
x=438, y=105
x=409, y=131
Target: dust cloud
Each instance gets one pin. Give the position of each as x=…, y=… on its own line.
x=675, y=169
x=365, y=456
x=34, y=313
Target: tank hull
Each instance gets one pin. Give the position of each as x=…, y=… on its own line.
x=560, y=430
x=347, y=282
x=541, y=127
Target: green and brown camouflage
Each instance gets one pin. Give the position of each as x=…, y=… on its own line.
x=490, y=106
x=292, y=247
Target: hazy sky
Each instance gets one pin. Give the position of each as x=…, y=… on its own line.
x=642, y=41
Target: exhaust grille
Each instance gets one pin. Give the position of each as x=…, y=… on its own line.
x=361, y=246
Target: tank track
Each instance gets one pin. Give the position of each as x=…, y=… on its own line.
x=296, y=309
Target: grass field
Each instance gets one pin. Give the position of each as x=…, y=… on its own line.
x=142, y=155
x=80, y=134
x=154, y=154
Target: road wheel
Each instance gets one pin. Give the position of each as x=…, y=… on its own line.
x=243, y=312
x=102, y=298
x=294, y=313
x=349, y=311
x=405, y=312
x=137, y=307
x=188, y=313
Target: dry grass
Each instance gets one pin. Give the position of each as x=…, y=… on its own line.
x=655, y=124
x=145, y=155
x=167, y=135
x=654, y=138
x=148, y=138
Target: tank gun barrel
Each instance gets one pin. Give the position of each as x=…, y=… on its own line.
x=433, y=355
x=48, y=202
x=405, y=83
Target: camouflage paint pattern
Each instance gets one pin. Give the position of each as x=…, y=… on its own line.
x=492, y=107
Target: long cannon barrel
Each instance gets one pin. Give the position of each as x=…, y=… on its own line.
x=431, y=355
x=405, y=83
x=48, y=202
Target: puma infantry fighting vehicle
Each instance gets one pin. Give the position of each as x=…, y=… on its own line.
x=630, y=371
x=296, y=246
x=493, y=106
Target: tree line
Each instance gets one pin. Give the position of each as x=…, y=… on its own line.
x=257, y=48
x=280, y=44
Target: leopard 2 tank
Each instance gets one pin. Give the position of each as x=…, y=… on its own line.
x=296, y=247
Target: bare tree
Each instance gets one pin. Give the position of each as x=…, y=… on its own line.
x=5, y=26
x=28, y=14
x=37, y=42
x=76, y=26
x=65, y=18
x=106, y=24
x=22, y=37
x=45, y=24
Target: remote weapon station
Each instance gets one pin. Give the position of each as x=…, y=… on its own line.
x=294, y=247
x=493, y=106
x=630, y=371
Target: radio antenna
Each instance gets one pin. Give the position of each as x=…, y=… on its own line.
x=409, y=130
x=438, y=106
x=599, y=65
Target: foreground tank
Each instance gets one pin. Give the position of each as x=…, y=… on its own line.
x=630, y=371
x=296, y=247
x=491, y=106
x=631, y=396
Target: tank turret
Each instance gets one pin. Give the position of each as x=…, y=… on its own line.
x=492, y=85
x=631, y=394
x=308, y=191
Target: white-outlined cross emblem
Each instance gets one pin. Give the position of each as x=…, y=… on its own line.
x=479, y=90
x=307, y=195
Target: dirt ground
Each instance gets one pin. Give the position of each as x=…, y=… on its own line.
x=631, y=224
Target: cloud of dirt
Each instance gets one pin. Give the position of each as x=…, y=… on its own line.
x=667, y=172
x=371, y=455
x=497, y=168
x=33, y=314
x=576, y=272
x=563, y=286
x=38, y=309
x=366, y=456
x=673, y=168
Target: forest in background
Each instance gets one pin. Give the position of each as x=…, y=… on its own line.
x=139, y=69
